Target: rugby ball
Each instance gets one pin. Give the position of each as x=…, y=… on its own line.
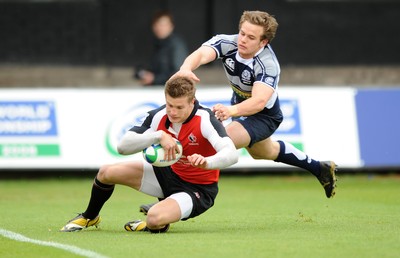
x=154, y=155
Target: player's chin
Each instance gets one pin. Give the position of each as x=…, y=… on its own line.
x=242, y=50
x=175, y=119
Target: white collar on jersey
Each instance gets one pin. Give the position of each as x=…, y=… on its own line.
x=249, y=60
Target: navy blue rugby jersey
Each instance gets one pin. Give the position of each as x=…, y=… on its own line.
x=242, y=73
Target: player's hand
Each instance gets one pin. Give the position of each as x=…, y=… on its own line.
x=170, y=146
x=222, y=112
x=196, y=160
x=186, y=73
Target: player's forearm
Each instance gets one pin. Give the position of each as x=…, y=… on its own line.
x=192, y=62
x=202, y=55
x=259, y=97
x=133, y=142
x=226, y=155
x=248, y=107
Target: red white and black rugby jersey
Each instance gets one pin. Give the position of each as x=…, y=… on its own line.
x=198, y=134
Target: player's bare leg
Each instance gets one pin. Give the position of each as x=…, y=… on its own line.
x=238, y=134
x=280, y=151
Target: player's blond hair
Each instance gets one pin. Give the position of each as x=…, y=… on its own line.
x=177, y=87
x=263, y=19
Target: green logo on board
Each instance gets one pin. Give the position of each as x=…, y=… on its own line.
x=29, y=150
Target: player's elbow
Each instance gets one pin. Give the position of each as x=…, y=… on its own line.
x=122, y=148
x=230, y=159
x=127, y=143
x=259, y=104
x=234, y=157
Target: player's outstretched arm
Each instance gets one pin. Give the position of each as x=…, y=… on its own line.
x=202, y=55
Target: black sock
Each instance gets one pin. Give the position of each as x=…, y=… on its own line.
x=100, y=194
x=288, y=154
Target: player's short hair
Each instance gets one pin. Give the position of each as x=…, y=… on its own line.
x=180, y=86
x=264, y=19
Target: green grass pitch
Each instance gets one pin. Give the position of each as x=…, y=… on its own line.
x=255, y=216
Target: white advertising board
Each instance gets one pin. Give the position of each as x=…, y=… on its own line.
x=80, y=128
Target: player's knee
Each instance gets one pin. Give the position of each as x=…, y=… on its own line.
x=154, y=220
x=261, y=156
x=266, y=154
x=254, y=156
x=266, y=149
x=104, y=173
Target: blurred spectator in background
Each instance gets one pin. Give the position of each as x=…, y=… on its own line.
x=169, y=52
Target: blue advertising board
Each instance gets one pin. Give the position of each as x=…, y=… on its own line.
x=378, y=115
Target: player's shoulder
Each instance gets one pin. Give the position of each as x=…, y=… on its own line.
x=206, y=114
x=156, y=115
x=226, y=38
x=208, y=117
x=159, y=110
x=203, y=108
x=266, y=52
x=266, y=56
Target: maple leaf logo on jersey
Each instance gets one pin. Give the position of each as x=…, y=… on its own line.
x=193, y=139
x=230, y=64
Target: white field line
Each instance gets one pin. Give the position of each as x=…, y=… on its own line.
x=69, y=248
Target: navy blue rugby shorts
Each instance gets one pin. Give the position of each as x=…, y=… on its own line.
x=260, y=126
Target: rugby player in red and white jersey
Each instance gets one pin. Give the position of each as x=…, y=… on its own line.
x=187, y=188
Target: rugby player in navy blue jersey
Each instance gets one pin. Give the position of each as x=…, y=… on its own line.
x=187, y=188
x=253, y=71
